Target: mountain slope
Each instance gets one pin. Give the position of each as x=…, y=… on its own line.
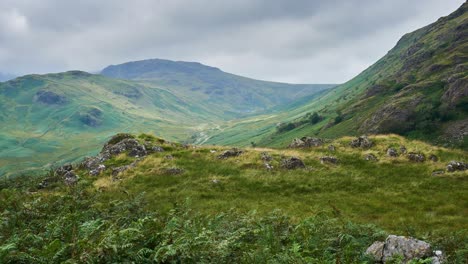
x=61, y=117
x=236, y=95
x=5, y=77
x=419, y=89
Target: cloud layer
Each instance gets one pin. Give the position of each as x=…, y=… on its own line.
x=301, y=41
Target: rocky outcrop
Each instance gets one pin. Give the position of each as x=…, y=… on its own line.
x=306, y=142
x=407, y=248
x=457, y=90
x=416, y=157
x=403, y=150
x=265, y=156
x=292, y=163
x=361, y=142
x=456, y=166
x=230, y=153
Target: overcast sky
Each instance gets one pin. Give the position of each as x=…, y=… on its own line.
x=299, y=41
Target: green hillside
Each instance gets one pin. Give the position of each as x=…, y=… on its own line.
x=54, y=118
x=419, y=90
x=231, y=94
x=205, y=204
x=61, y=117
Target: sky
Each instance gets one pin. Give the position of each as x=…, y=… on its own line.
x=297, y=41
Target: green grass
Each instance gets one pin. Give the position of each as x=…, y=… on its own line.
x=234, y=210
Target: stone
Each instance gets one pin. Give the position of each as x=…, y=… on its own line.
x=328, y=159
x=98, y=170
x=416, y=157
x=399, y=246
x=403, y=150
x=169, y=157
x=265, y=156
x=456, y=166
x=157, y=149
x=331, y=148
x=407, y=247
x=234, y=152
x=370, y=157
x=292, y=163
x=433, y=158
x=438, y=172
x=391, y=152
x=268, y=166
x=61, y=171
x=361, y=142
x=376, y=250
x=306, y=142
x=117, y=170
x=70, y=178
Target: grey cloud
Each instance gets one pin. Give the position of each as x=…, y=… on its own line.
x=295, y=41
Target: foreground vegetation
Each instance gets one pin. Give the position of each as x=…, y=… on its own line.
x=236, y=210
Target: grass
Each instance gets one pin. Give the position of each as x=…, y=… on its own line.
x=235, y=210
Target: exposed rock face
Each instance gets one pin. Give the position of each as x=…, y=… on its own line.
x=50, y=98
x=406, y=247
x=456, y=166
x=292, y=163
x=416, y=157
x=361, y=142
x=329, y=159
x=391, y=152
x=457, y=90
x=370, y=157
x=306, y=142
x=230, y=153
x=134, y=148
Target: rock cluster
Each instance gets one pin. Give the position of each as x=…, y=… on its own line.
x=230, y=153
x=265, y=156
x=361, y=142
x=306, y=142
x=292, y=163
x=456, y=166
x=399, y=246
x=64, y=173
x=416, y=157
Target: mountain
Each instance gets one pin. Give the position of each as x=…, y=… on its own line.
x=235, y=95
x=5, y=77
x=61, y=117
x=418, y=89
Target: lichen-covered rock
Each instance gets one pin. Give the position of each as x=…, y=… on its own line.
x=306, y=142
x=399, y=246
x=70, y=178
x=361, y=142
x=370, y=157
x=416, y=157
x=391, y=152
x=407, y=247
x=230, y=153
x=456, y=166
x=97, y=170
x=292, y=163
x=376, y=250
x=328, y=159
